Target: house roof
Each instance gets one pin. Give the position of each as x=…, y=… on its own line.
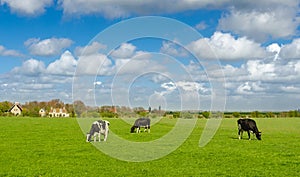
x=16, y=104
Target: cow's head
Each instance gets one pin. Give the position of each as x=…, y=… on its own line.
x=88, y=137
x=258, y=135
x=132, y=129
x=107, y=123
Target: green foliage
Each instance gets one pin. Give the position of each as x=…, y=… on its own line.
x=91, y=114
x=4, y=107
x=206, y=114
x=186, y=115
x=108, y=115
x=79, y=108
x=236, y=114
x=255, y=114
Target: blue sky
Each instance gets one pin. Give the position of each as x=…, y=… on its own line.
x=46, y=45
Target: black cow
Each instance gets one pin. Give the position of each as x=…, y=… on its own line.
x=141, y=122
x=248, y=125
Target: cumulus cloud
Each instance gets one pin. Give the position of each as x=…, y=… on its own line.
x=169, y=86
x=93, y=64
x=137, y=64
x=9, y=52
x=47, y=47
x=274, y=48
x=125, y=8
x=291, y=50
x=126, y=50
x=224, y=46
x=172, y=49
x=30, y=67
x=28, y=7
x=91, y=49
x=185, y=86
x=279, y=22
x=64, y=66
x=46, y=82
x=260, y=70
x=201, y=26
x=250, y=88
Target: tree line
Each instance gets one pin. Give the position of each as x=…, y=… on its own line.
x=32, y=108
x=79, y=109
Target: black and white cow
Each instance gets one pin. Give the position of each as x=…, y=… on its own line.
x=98, y=127
x=248, y=125
x=141, y=122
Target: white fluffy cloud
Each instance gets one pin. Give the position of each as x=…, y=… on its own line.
x=226, y=47
x=250, y=88
x=30, y=67
x=46, y=82
x=47, y=47
x=64, y=66
x=27, y=7
x=291, y=50
x=185, y=86
x=91, y=49
x=172, y=49
x=260, y=70
x=279, y=22
x=9, y=52
x=126, y=50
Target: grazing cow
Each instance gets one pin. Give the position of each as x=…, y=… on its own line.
x=98, y=127
x=248, y=125
x=141, y=122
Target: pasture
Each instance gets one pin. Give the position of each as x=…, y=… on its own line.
x=57, y=147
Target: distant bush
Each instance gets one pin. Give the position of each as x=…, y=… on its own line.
x=109, y=115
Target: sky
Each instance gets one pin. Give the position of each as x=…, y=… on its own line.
x=177, y=54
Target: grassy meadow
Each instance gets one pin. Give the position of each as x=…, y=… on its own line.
x=57, y=147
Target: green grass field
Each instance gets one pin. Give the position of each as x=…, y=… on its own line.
x=57, y=147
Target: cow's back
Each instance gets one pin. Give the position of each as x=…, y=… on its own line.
x=142, y=122
x=247, y=124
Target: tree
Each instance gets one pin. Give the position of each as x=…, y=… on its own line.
x=4, y=107
x=255, y=114
x=186, y=115
x=79, y=107
x=236, y=114
x=206, y=114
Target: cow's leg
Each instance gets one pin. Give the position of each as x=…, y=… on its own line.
x=249, y=135
x=138, y=130
x=99, y=136
x=240, y=133
x=105, y=135
x=95, y=137
x=87, y=137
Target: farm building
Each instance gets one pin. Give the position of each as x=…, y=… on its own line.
x=16, y=109
x=58, y=112
x=42, y=112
